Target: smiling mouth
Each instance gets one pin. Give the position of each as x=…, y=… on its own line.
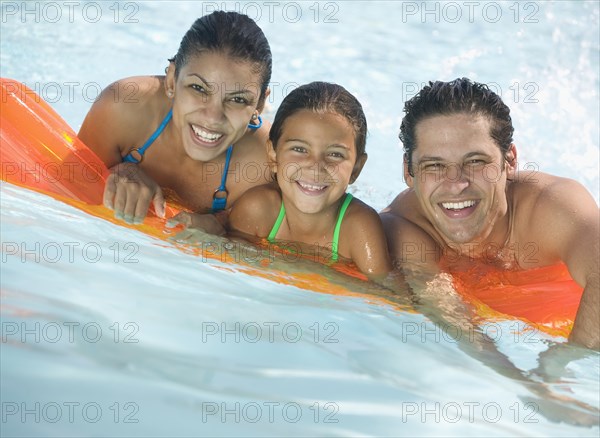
x=312, y=188
x=458, y=206
x=206, y=136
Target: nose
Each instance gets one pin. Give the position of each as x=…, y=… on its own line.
x=317, y=168
x=456, y=178
x=212, y=108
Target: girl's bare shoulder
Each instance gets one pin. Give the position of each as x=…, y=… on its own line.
x=360, y=216
x=255, y=212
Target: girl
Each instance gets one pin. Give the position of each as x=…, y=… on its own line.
x=185, y=131
x=316, y=148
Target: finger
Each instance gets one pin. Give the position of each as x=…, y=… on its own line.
x=183, y=235
x=110, y=190
x=182, y=218
x=133, y=196
x=143, y=203
x=120, y=200
x=159, y=203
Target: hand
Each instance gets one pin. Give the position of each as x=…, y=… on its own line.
x=205, y=222
x=553, y=363
x=129, y=192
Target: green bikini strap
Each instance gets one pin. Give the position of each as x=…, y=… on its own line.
x=338, y=225
x=275, y=229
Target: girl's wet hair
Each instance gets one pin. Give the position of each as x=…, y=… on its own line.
x=323, y=97
x=230, y=33
x=460, y=96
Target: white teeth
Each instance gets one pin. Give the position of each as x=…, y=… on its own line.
x=457, y=205
x=204, y=135
x=312, y=187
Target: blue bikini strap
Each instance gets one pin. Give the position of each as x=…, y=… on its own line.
x=129, y=158
x=219, y=204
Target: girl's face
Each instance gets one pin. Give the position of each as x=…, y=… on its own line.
x=215, y=97
x=315, y=160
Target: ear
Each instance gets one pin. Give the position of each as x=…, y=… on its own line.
x=261, y=104
x=407, y=177
x=170, y=80
x=358, y=166
x=271, y=157
x=511, y=162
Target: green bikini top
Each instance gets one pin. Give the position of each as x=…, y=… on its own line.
x=336, y=231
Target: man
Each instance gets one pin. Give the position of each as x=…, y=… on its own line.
x=466, y=198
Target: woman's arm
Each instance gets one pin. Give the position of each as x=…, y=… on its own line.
x=118, y=121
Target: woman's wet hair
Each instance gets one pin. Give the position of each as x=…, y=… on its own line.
x=323, y=97
x=233, y=34
x=460, y=96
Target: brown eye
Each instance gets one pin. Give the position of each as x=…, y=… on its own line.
x=476, y=163
x=198, y=88
x=240, y=100
x=433, y=167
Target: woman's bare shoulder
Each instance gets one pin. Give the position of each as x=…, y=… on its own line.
x=119, y=119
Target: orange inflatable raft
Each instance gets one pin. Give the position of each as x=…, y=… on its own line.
x=39, y=151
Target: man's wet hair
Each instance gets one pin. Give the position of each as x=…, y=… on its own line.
x=460, y=96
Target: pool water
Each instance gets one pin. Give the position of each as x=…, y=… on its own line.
x=109, y=332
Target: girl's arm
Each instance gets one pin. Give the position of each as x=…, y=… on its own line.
x=363, y=236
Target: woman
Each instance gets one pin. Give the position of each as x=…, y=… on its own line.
x=195, y=132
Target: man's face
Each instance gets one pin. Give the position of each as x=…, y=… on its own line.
x=459, y=176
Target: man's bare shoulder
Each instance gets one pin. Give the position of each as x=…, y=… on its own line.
x=534, y=192
x=404, y=214
x=402, y=206
x=548, y=212
x=409, y=236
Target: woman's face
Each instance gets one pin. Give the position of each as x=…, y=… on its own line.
x=215, y=97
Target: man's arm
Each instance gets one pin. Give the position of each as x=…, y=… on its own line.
x=570, y=220
x=409, y=245
x=583, y=260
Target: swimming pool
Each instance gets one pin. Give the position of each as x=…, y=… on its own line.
x=109, y=332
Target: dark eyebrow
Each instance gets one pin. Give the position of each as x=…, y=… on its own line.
x=199, y=77
x=232, y=93
x=477, y=154
x=299, y=140
x=338, y=146
x=469, y=155
x=430, y=158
